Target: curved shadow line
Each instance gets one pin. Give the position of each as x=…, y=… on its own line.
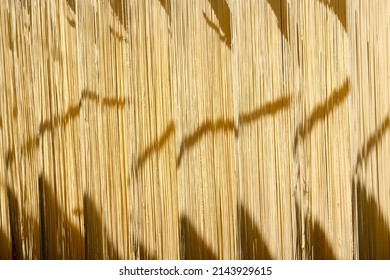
x=372, y=142
x=320, y=112
x=54, y=122
x=73, y=112
x=207, y=126
x=252, y=245
x=157, y=145
x=270, y=108
x=215, y=27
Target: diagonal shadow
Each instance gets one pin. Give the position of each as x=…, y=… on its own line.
x=52, y=124
x=320, y=112
x=208, y=126
x=252, y=244
x=32, y=143
x=166, y=4
x=72, y=5
x=222, y=12
x=71, y=22
x=268, y=109
x=279, y=8
x=117, y=34
x=157, y=145
x=55, y=227
x=120, y=12
x=339, y=8
x=216, y=28
x=96, y=248
x=192, y=247
x=271, y=108
x=371, y=226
